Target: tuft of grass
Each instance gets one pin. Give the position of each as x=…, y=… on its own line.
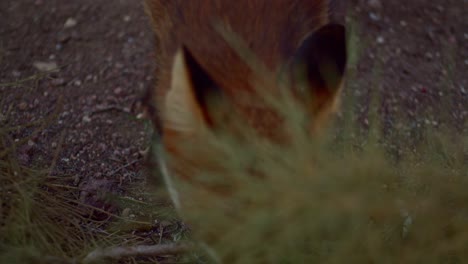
x=43, y=220
x=38, y=212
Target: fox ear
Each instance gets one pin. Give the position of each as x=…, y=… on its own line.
x=319, y=65
x=193, y=96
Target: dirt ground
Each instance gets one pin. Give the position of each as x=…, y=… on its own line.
x=415, y=52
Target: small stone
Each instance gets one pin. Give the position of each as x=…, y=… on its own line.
x=71, y=22
x=374, y=16
x=86, y=119
x=89, y=77
x=118, y=90
x=140, y=116
x=380, y=40
x=23, y=106
x=403, y=23
x=58, y=82
x=127, y=18
x=45, y=66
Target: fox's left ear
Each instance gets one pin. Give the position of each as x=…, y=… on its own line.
x=194, y=101
x=319, y=64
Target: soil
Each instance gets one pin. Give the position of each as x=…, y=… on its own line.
x=415, y=52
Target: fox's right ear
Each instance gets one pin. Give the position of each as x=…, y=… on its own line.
x=194, y=99
x=319, y=65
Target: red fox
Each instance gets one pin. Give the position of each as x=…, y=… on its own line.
x=201, y=77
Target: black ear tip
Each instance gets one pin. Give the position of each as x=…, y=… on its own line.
x=333, y=40
x=333, y=31
x=324, y=55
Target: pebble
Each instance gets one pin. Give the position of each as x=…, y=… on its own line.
x=374, y=16
x=23, y=106
x=45, y=66
x=380, y=40
x=71, y=22
x=118, y=90
x=58, y=82
x=463, y=90
x=86, y=119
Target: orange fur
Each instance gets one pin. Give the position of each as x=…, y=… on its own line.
x=273, y=30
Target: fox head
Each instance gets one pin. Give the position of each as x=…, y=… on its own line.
x=195, y=102
x=205, y=177
x=197, y=107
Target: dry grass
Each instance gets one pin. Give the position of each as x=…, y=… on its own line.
x=43, y=219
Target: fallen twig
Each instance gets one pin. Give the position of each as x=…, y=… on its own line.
x=142, y=250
